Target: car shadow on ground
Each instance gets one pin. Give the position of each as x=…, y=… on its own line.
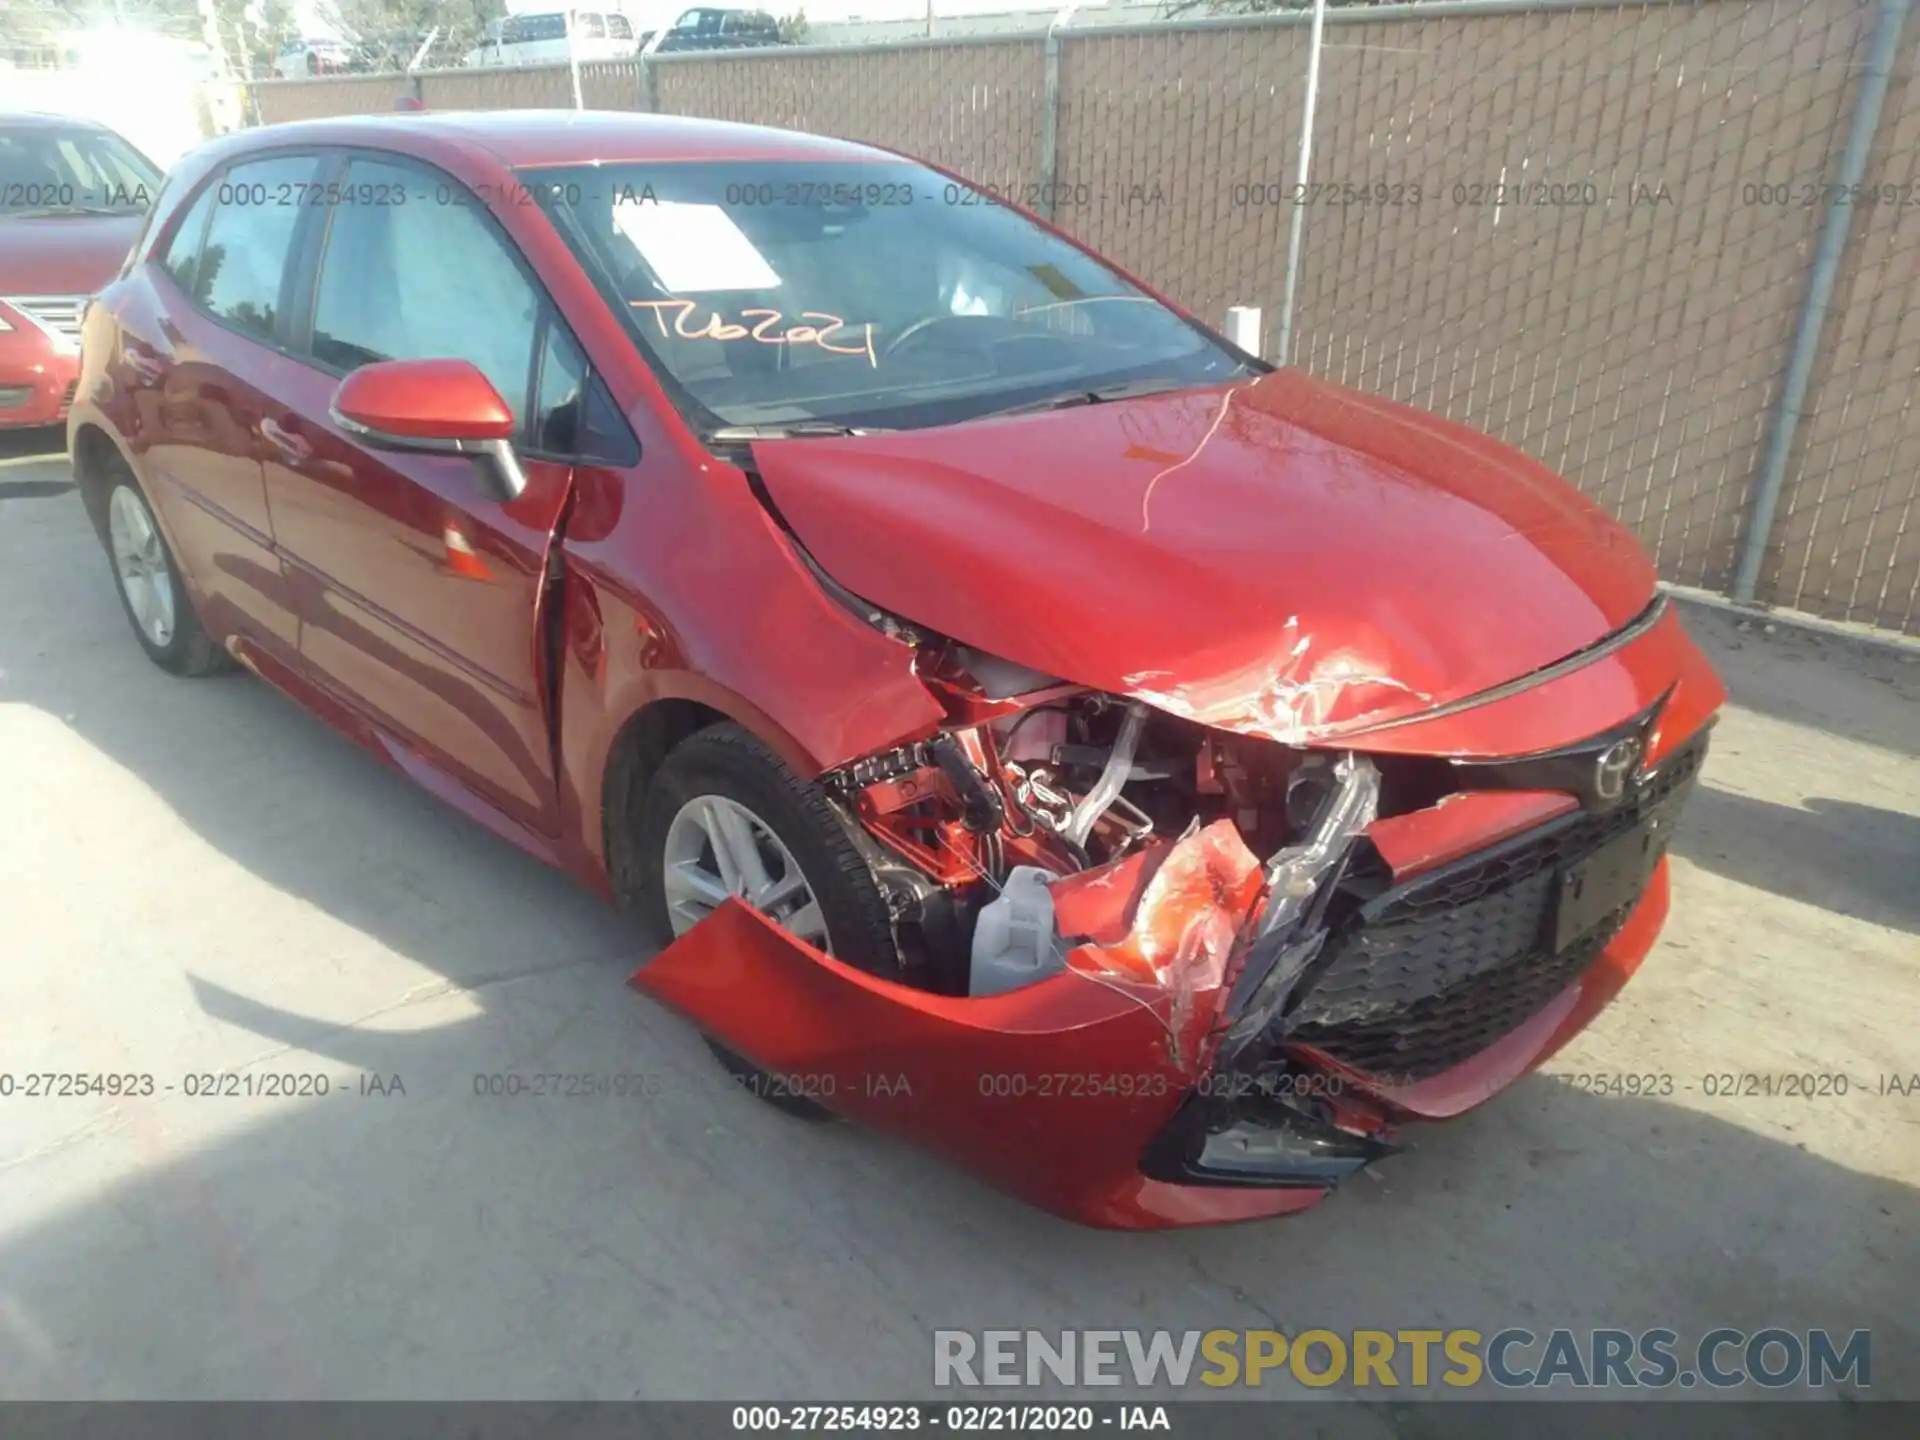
x=1840, y=685
x=690, y=1241
x=36, y=442
x=33, y=463
x=1848, y=858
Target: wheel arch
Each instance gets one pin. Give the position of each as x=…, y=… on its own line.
x=92, y=452
x=642, y=742
x=674, y=706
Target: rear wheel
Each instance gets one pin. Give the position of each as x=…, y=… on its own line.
x=725, y=818
x=151, y=592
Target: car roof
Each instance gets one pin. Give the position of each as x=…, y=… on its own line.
x=522, y=138
x=40, y=120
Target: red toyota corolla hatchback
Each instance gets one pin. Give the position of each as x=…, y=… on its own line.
x=1143, y=775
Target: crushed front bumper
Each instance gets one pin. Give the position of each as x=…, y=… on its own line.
x=1096, y=1093
x=1163, y=1078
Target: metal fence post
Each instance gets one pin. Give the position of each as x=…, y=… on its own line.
x=1050, y=114
x=649, y=85
x=1832, y=245
x=1285, y=355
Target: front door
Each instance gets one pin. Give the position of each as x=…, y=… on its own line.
x=419, y=592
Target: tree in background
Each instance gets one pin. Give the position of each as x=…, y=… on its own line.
x=793, y=28
x=388, y=33
x=273, y=23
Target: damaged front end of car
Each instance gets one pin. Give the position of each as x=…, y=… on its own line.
x=1157, y=972
x=1346, y=809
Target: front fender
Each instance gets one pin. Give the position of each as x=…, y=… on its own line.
x=619, y=656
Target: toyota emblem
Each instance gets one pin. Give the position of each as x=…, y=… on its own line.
x=1613, y=769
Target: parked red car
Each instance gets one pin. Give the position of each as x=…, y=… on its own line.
x=73, y=195
x=1143, y=775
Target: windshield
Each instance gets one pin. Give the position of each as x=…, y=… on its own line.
x=865, y=295
x=46, y=171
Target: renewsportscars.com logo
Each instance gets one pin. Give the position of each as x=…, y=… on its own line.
x=1510, y=1359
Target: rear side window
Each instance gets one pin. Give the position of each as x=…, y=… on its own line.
x=418, y=281
x=238, y=273
x=183, y=252
x=619, y=28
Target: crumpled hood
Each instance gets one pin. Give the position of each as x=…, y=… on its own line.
x=1279, y=557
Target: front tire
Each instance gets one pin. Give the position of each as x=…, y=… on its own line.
x=148, y=580
x=724, y=817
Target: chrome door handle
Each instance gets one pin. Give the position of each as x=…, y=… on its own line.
x=293, y=448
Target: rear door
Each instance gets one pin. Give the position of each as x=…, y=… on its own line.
x=420, y=593
x=215, y=339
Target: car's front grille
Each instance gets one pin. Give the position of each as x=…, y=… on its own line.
x=58, y=315
x=1431, y=972
x=66, y=396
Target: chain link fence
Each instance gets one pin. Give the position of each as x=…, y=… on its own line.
x=1669, y=247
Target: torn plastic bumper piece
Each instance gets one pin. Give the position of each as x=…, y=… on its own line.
x=1053, y=1091
x=1123, y=1090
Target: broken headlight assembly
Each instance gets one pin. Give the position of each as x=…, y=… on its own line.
x=1034, y=780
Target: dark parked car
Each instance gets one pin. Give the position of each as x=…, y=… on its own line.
x=1141, y=774
x=708, y=29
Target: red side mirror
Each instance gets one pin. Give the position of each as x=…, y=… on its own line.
x=441, y=406
x=411, y=400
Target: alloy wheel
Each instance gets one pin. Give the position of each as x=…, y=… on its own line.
x=140, y=560
x=717, y=848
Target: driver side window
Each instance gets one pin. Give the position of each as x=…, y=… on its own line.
x=399, y=281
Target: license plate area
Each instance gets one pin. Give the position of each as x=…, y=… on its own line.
x=1613, y=876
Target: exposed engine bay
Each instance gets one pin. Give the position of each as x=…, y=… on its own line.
x=970, y=832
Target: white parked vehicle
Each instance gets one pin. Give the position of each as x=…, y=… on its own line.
x=542, y=39
x=300, y=58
